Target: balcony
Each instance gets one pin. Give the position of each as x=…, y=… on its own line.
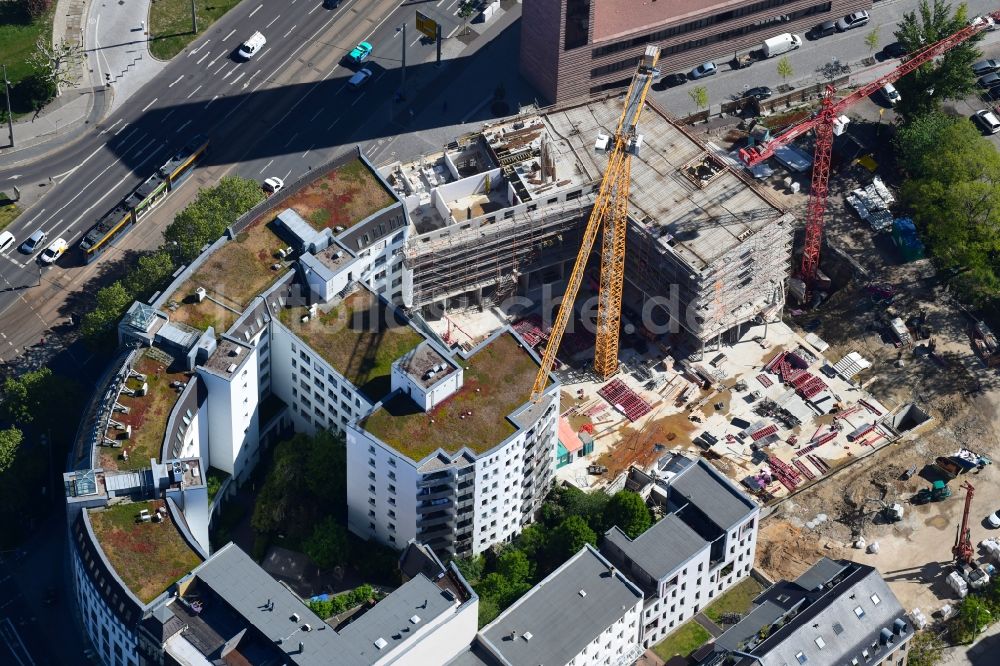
x=438, y=532
x=436, y=505
x=437, y=478
x=437, y=492
x=443, y=519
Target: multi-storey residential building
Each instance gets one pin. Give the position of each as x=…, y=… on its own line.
x=702, y=546
x=575, y=48
x=837, y=612
x=585, y=612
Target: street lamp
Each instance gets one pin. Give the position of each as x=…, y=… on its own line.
x=10, y=116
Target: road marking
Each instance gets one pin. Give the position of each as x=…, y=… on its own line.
x=227, y=75
x=176, y=81
x=360, y=97
x=221, y=67
x=263, y=53
x=181, y=128
x=169, y=113
x=333, y=123
x=193, y=92
x=255, y=10
x=97, y=45
x=290, y=140
x=265, y=166
x=287, y=175
x=272, y=21
x=200, y=47
x=120, y=130
x=211, y=100
x=290, y=30
x=108, y=128
x=230, y=34
x=415, y=42
x=316, y=115
x=313, y=10
x=247, y=83
x=17, y=175
x=307, y=151
x=233, y=82
x=198, y=62
x=146, y=108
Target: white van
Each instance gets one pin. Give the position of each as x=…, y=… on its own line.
x=252, y=45
x=987, y=120
x=6, y=240
x=784, y=43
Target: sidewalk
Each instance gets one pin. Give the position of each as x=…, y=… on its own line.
x=116, y=64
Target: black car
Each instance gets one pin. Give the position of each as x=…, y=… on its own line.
x=894, y=50
x=993, y=94
x=672, y=80
x=824, y=29
x=758, y=93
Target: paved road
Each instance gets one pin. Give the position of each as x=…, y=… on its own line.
x=848, y=47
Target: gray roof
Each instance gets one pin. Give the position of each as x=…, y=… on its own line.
x=474, y=655
x=820, y=573
x=662, y=548
x=392, y=619
x=561, y=621
x=723, y=503
x=306, y=237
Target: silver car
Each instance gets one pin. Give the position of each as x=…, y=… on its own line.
x=853, y=20
x=703, y=70
x=984, y=67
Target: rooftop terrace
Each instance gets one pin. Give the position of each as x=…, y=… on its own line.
x=148, y=414
x=342, y=198
x=148, y=556
x=232, y=276
x=497, y=380
x=360, y=338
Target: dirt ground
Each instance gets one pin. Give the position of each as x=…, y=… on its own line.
x=951, y=384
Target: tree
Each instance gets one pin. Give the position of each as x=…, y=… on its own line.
x=699, y=95
x=149, y=273
x=36, y=8
x=208, y=216
x=628, y=511
x=471, y=567
x=37, y=397
x=515, y=566
x=871, y=40
x=785, y=69
x=32, y=92
x=112, y=302
x=973, y=617
x=925, y=649
x=10, y=444
x=327, y=546
x=918, y=138
x=533, y=541
x=58, y=63
x=570, y=537
x=947, y=77
x=326, y=472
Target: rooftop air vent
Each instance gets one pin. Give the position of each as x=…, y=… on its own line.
x=231, y=368
x=583, y=593
x=527, y=635
x=415, y=619
x=381, y=643
x=295, y=617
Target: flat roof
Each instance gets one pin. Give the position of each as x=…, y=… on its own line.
x=360, y=338
x=419, y=361
x=713, y=494
x=498, y=379
x=681, y=191
x=147, y=556
x=227, y=358
x=341, y=197
x=662, y=548
x=554, y=621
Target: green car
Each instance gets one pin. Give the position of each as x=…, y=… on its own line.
x=360, y=53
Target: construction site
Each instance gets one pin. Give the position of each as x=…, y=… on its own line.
x=847, y=421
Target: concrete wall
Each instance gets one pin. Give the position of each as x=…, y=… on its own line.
x=370, y=463
x=427, y=399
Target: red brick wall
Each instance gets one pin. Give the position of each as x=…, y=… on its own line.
x=541, y=44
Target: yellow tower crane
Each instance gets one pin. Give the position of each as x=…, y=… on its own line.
x=610, y=211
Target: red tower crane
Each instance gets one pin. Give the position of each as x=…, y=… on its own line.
x=963, y=540
x=823, y=123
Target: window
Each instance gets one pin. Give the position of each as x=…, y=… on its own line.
x=875, y=599
x=859, y=611
x=820, y=643
x=801, y=657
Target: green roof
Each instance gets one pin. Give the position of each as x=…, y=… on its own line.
x=360, y=339
x=147, y=556
x=497, y=380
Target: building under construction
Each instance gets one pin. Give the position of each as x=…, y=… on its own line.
x=500, y=213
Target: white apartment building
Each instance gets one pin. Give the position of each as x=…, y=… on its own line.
x=456, y=456
x=584, y=613
x=702, y=547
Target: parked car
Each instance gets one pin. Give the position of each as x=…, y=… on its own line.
x=987, y=120
x=672, y=80
x=53, y=251
x=331, y=4
x=360, y=78
x=853, y=20
x=993, y=94
x=994, y=519
x=360, y=52
x=824, y=29
x=890, y=94
x=33, y=241
x=984, y=67
x=703, y=70
x=894, y=50
x=989, y=80
x=6, y=240
x=273, y=185
x=760, y=92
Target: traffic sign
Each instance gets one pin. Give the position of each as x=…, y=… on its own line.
x=427, y=25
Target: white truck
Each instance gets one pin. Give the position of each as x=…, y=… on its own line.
x=780, y=44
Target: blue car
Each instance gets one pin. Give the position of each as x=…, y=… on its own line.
x=360, y=53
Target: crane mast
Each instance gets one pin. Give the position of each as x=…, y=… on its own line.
x=610, y=214
x=824, y=124
x=963, y=550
